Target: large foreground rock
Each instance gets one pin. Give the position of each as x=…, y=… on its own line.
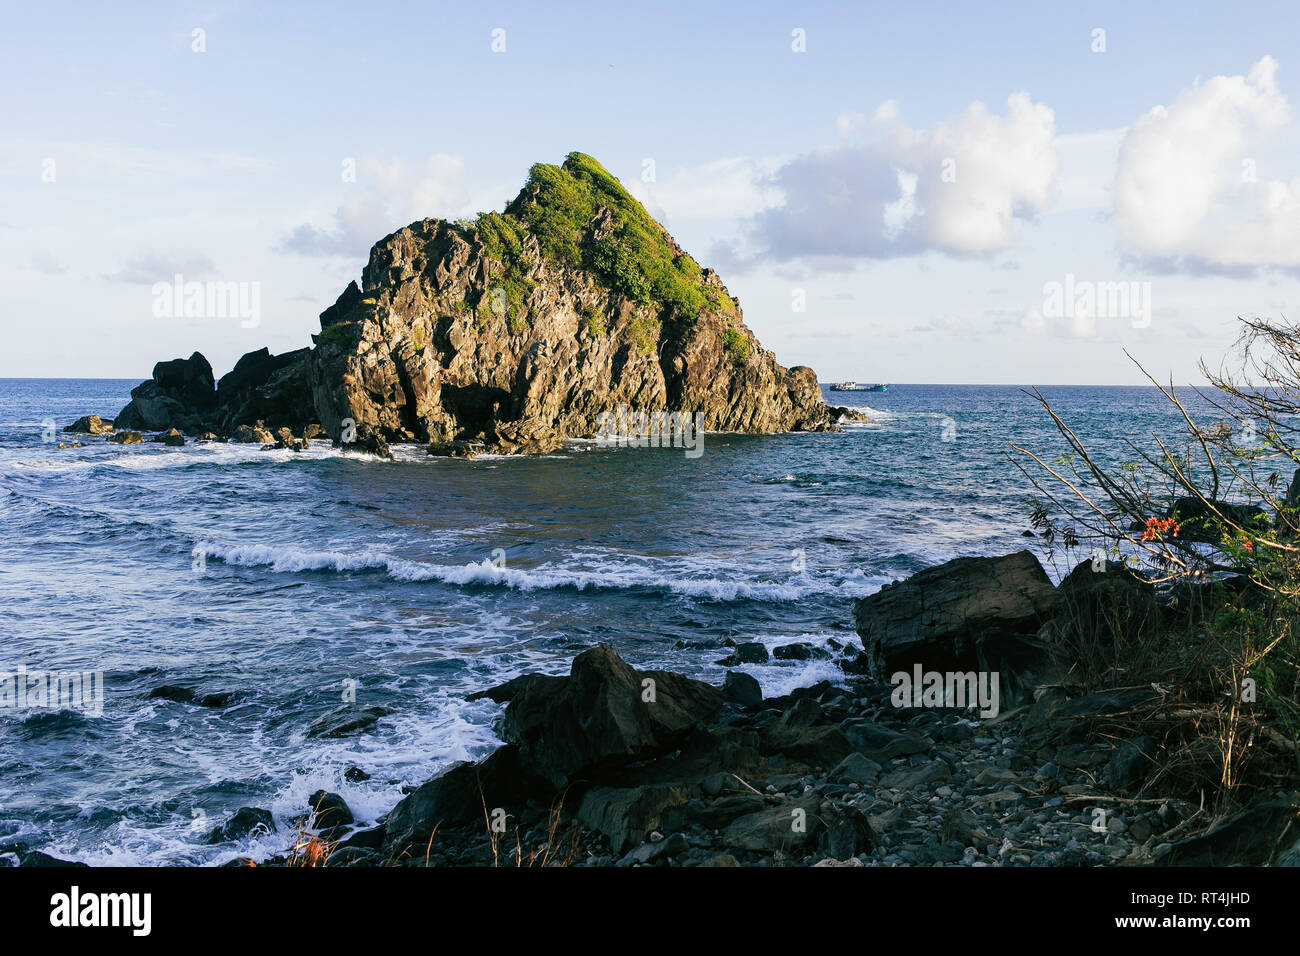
x=605, y=712
x=967, y=614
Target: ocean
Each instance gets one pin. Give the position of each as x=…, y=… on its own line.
x=287, y=579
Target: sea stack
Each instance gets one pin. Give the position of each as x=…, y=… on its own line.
x=517, y=329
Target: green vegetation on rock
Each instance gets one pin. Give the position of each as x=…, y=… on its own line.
x=736, y=345
x=583, y=218
x=594, y=322
x=342, y=334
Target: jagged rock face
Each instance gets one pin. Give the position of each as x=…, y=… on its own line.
x=517, y=330
x=456, y=335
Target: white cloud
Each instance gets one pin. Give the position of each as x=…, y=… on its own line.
x=729, y=188
x=849, y=122
x=958, y=187
x=1186, y=190
x=1033, y=321
x=387, y=195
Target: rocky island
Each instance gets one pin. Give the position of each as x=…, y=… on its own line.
x=510, y=332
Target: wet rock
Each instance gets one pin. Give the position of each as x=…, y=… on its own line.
x=246, y=822
x=219, y=699
x=90, y=425
x=751, y=653
x=329, y=810
x=798, y=652
x=355, y=775
x=345, y=720
x=254, y=434
x=127, y=438
x=369, y=443
x=172, y=692
x=20, y=854
x=464, y=793
x=456, y=449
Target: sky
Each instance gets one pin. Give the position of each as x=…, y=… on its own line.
x=901, y=192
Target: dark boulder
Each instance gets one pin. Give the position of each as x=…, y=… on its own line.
x=329, y=810
x=626, y=815
x=604, y=713
x=464, y=793
x=1102, y=616
x=740, y=688
x=246, y=821
x=181, y=394
x=1197, y=520
x=266, y=388
x=456, y=449
x=967, y=614
x=750, y=653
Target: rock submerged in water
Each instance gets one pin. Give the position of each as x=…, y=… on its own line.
x=503, y=333
x=90, y=425
x=245, y=822
x=345, y=720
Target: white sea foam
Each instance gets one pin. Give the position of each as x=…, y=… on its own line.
x=851, y=583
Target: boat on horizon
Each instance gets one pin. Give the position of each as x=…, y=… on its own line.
x=855, y=387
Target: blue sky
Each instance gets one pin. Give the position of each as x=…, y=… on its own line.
x=1170, y=159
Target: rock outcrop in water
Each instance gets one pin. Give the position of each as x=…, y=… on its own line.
x=517, y=329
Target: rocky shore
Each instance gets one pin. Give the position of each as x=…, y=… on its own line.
x=614, y=766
